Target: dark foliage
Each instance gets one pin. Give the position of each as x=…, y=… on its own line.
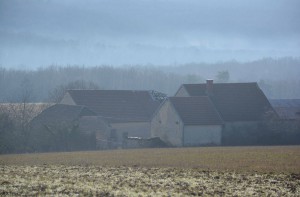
x=61, y=137
x=7, y=135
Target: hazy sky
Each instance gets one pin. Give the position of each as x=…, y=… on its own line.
x=37, y=33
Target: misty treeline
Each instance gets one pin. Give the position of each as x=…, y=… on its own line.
x=279, y=78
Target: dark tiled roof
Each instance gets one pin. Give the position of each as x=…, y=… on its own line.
x=118, y=105
x=235, y=101
x=287, y=108
x=62, y=113
x=196, y=110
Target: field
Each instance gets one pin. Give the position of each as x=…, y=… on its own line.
x=232, y=171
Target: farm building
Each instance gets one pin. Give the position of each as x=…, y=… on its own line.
x=288, y=124
x=287, y=109
x=240, y=106
x=128, y=112
x=188, y=121
x=59, y=122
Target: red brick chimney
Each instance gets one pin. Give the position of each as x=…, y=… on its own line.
x=209, y=87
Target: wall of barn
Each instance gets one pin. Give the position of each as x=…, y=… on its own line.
x=202, y=135
x=182, y=92
x=167, y=125
x=96, y=125
x=241, y=133
x=133, y=129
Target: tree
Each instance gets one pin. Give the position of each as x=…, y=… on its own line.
x=192, y=78
x=223, y=76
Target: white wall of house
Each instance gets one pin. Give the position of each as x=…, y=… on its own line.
x=199, y=135
x=167, y=125
x=182, y=92
x=67, y=100
x=134, y=129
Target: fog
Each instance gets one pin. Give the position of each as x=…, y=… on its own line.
x=37, y=33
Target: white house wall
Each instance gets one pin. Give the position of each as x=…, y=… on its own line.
x=167, y=125
x=201, y=135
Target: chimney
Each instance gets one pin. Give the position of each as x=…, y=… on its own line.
x=209, y=87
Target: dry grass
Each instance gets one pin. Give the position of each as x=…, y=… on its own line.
x=218, y=171
x=241, y=159
x=136, y=181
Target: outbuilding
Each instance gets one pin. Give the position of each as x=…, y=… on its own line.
x=54, y=127
x=128, y=112
x=187, y=121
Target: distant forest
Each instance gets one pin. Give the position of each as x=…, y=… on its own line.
x=279, y=78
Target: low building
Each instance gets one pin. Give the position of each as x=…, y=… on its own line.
x=60, y=122
x=128, y=112
x=187, y=121
x=287, y=125
x=287, y=109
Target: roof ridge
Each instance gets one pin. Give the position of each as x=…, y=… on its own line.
x=110, y=90
x=216, y=83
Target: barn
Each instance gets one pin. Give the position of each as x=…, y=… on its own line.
x=128, y=112
x=59, y=122
x=187, y=121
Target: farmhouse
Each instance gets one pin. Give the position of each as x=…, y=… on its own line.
x=187, y=121
x=59, y=119
x=240, y=108
x=128, y=112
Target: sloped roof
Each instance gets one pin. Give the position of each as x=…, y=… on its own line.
x=62, y=113
x=196, y=110
x=287, y=108
x=234, y=101
x=119, y=105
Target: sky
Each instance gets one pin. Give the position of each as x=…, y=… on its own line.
x=37, y=33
